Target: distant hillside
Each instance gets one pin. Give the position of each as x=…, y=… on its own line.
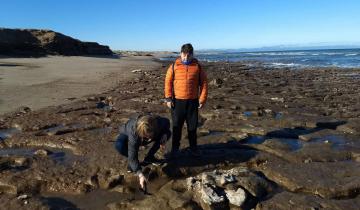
x=33, y=42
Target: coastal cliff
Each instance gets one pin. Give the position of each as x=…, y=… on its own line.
x=34, y=42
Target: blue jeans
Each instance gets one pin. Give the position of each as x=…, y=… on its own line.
x=121, y=144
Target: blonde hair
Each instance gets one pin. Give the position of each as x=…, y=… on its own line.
x=146, y=126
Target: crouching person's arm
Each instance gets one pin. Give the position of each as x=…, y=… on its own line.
x=133, y=161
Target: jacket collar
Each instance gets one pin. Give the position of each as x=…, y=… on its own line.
x=178, y=61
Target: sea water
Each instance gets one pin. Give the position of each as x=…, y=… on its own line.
x=343, y=58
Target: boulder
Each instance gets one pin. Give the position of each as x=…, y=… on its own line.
x=210, y=198
x=237, y=197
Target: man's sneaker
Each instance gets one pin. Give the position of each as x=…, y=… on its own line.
x=195, y=152
x=129, y=170
x=154, y=161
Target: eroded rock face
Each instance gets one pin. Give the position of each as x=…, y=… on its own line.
x=32, y=42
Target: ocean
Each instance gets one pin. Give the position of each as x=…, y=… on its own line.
x=343, y=58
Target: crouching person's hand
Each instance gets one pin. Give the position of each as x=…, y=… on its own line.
x=142, y=181
x=163, y=141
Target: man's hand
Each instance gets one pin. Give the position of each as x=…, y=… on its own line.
x=169, y=104
x=201, y=105
x=142, y=181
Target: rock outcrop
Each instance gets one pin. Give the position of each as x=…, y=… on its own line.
x=33, y=42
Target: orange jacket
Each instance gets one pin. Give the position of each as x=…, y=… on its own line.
x=186, y=82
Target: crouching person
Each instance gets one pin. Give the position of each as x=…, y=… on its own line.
x=140, y=131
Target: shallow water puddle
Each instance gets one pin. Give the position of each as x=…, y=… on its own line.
x=94, y=200
x=60, y=129
x=99, y=199
x=293, y=144
x=61, y=156
x=255, y=140
x=8, y=133
x=276, y=115
x=247, y=114
x=336, y=142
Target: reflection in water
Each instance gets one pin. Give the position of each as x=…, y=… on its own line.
x=61, y=156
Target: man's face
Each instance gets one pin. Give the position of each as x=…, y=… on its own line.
x=186, y=57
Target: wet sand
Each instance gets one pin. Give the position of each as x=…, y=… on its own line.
x=54, y=80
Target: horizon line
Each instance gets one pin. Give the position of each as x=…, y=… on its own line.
x=265, y=48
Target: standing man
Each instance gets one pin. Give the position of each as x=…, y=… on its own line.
x=186, y=91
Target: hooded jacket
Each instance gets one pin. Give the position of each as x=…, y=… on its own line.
x=185, y=81
x=134, y=141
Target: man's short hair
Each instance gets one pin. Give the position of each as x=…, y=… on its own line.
x=187, y=48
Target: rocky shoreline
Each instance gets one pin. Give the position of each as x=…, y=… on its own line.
x=269, y=138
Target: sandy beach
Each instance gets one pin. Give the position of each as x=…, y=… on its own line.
x=40, y=82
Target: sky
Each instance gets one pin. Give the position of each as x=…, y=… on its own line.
x=207, y=24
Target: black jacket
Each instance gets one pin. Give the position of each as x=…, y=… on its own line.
x=134, y=141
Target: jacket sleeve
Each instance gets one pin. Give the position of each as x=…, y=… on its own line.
x=133, y=149
x=168, y=83
x=203, y=87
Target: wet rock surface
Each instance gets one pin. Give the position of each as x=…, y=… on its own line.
x=287, y=200
x=268, y=138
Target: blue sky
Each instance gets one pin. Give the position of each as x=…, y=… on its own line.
x=210, y=24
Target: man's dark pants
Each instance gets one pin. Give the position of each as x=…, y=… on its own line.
x=184, y=110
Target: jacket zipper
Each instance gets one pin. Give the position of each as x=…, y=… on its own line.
x=187, y=80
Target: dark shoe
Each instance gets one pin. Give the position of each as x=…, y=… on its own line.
x=129, y=170
x=154, y=161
